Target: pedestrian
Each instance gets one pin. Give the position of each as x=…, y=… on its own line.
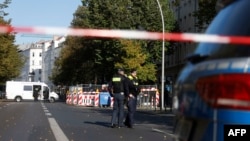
x=46, y=95
x=132, y=98
x=118, y=89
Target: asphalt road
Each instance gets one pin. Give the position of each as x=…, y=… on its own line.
x=39, y=121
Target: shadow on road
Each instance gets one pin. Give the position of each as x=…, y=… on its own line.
x=99, y=123
x=142, y=116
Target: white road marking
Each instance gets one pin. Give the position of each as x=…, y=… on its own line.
x=57, y=131
x=48, y=114
x=164, y=132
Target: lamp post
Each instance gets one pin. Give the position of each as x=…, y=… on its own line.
x=163, y=56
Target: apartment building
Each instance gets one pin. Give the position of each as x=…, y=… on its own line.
x=183, y=11
x=51, y=51
x=32, y=70
x=40, y=58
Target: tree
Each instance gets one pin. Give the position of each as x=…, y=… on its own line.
x=135, y=58
x=95, y=60
x=11, y=61
x=205, y=13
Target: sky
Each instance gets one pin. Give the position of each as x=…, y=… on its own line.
x=52, y=13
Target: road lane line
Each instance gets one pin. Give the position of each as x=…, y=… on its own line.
x=164, y=132
x=57, y=131
x=48, y=114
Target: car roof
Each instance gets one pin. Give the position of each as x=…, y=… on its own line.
x=231, y=21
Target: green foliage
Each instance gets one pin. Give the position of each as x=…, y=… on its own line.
x=11, y=61
x=85, y=60
x=205, y=13
x=135, y=58
x=3, y=6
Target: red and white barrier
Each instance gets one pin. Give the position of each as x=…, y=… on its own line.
x=86, y=100
x=75, y=99
x=80, y=99
x=68, y=100
x=96, y=100
x=157, y=98
x=128, y=34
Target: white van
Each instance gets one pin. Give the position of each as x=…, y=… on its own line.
x=20, y=90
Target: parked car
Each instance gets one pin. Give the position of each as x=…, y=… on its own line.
x=213, y=89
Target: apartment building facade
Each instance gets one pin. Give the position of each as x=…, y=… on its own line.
x=32, y=69
x=51, y=51
x=40, y=58
x=183, y=11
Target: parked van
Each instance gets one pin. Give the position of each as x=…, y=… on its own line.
x=20, y=90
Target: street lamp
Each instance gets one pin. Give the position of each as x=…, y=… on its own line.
x=163, y=56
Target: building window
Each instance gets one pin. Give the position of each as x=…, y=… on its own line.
x=40, y=71
x=33, y=62
x=40, y=54
x=33, y=54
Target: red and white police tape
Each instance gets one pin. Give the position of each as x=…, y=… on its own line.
x=127, y=34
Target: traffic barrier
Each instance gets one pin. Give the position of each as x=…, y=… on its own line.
x=80, y=99
x=86, y=99
x=149, y=96
x=157, y=98
x=68, y=100
x=75, y=99
x=97, y=99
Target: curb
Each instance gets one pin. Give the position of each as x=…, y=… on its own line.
x=156, y=112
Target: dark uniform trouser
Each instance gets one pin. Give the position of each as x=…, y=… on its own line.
x=118, y=109
x=131, y=111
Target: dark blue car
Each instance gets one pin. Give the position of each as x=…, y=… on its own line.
x=212, y=92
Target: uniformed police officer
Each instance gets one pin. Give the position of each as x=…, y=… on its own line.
x=118, y=88
x=132, y=98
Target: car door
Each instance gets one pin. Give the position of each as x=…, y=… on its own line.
x=27, y=92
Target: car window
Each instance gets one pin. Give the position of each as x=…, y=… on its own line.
x=27, y=88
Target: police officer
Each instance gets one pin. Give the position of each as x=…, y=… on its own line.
x=132, y=98
x=46, y=95
x=118, y=88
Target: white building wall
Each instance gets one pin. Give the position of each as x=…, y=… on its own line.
x=24, y=76
x=45, y=63
x=33, y=64
x=40, y=58
x=50, y=55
